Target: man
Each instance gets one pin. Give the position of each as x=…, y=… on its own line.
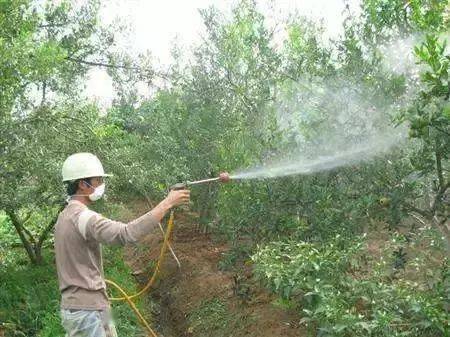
x=79, y=233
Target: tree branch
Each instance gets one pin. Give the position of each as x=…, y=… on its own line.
x=441, y=130
x=73, y=140
x=244, y=99
x=44, y=93
x=54, y=25
x=116, y=66
x=30, y=236
x=27, y=217
x=422, y=212
x=102, y=64
x=439, y=196
x=420, y=220
x=438, y=157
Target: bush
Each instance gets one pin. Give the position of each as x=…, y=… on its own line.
x=339, y=294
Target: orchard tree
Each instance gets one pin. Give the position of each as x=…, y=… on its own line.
x=46, y=49
x=427, y=115
x=429, y=119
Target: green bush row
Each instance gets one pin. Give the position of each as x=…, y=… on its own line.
x=339, y=294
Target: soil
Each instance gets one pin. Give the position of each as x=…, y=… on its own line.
x=199, y=299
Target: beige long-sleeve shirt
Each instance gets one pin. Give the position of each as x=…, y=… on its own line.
x=79, y=233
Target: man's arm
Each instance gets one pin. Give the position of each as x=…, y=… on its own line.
x=94, y=226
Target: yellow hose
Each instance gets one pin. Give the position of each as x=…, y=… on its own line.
x=133, y=306
x=129, y=298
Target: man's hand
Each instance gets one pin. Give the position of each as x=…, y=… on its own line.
x=178, y=197
x=173, y=199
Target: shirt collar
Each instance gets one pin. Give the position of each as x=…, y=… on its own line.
x=76, y=202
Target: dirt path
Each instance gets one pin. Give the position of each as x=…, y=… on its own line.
x=200, y=300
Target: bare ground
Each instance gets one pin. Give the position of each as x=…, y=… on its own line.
x=199, y=299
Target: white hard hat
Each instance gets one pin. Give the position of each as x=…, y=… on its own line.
x=82, y=165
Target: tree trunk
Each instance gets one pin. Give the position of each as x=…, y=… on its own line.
x=25, y=242
x=39, y=260
x=44, y=235
x=207, y=207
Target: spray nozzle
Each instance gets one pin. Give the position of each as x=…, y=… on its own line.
x=224, y=177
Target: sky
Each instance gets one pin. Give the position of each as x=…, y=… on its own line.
x=153, y=26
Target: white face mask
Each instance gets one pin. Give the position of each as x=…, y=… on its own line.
x=98, y=192
x=94, y=196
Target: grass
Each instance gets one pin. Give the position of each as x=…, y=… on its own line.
x=29, y=298
x=209, y=316
x=213, y=318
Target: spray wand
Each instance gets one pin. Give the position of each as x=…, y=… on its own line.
x=223, y=177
